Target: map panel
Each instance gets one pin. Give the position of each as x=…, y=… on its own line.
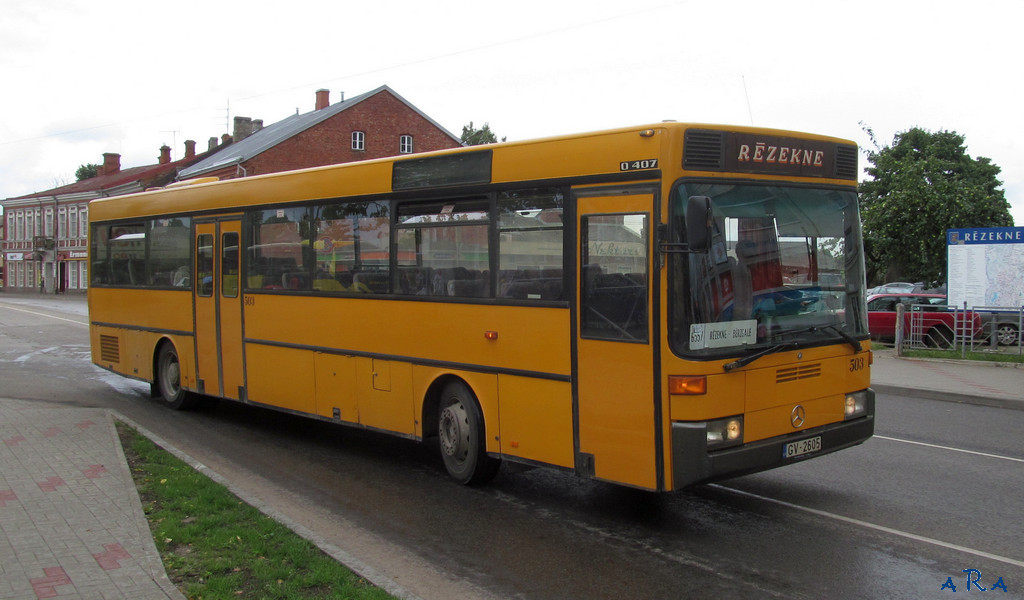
x=985, y=267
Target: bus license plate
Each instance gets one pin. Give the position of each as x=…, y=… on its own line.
x=807, y=446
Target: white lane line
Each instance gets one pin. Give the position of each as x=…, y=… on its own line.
x=985, y=454
x=32, y=312
x=881, y=528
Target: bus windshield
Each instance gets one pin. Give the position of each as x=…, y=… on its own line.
x=784, y=267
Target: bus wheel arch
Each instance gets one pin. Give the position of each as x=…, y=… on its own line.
x=167, y=377
x=452, y=413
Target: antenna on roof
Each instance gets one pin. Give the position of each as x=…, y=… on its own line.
x=174, y=139
x=750, y=113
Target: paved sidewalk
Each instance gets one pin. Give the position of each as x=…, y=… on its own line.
x=968, y=382
x=71, y=523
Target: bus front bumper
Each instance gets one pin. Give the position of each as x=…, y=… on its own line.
x=692, y=463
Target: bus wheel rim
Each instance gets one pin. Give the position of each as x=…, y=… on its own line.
x=454, y=431
x=172, y=376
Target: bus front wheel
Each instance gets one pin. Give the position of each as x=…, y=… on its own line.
x=168, y=376
x=461, y=435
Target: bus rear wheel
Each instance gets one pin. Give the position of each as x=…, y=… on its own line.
x=461, y=435
x=168, y=377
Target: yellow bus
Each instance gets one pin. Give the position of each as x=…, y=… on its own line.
x=654, y=306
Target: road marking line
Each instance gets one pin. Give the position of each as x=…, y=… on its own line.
x=881, y=528
x=882, y=437
x=32, y=312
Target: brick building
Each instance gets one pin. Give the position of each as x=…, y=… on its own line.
x=376, y=124
x=44, y=246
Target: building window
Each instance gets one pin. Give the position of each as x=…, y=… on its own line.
x=48, y=223
x=73, y=222
x=83, y=218
x=405, y=144
x=359, y=140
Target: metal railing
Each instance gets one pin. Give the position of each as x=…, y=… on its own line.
x=1000, y=328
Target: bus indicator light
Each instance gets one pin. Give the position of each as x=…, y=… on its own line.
x=491, y=335
x=685, y=385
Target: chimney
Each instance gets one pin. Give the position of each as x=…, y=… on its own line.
x=165, y=154
x=190, y=149
x=225, y=139
x=323, y=99
x=243, y=128
x=111, y=163
x=257, y=124
x=212, y=144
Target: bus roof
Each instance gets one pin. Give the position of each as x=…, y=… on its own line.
x=565, y=157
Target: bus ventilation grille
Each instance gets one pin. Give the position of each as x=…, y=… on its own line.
x=796, y=373
x=704, y=150
x=110, y=349
x=846, y=162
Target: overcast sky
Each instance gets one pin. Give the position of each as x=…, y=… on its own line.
x=81, y=78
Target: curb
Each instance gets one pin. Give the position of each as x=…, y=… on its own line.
x=352, y=563
x=943, y=396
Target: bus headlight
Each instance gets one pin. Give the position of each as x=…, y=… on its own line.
x=724, y=433
x=856, y=405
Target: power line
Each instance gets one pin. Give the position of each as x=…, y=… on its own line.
x=385, y=68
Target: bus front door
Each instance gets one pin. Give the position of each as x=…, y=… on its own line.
x=615, y=393
x=218, y=309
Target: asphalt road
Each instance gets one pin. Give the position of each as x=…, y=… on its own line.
x=936, y=492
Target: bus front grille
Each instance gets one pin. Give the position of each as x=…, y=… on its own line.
x=797, y=373
x=110, y=349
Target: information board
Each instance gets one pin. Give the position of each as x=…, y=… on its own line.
x=985, y=267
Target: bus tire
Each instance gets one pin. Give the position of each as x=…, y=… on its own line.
x=462, y=437
x=168, y=379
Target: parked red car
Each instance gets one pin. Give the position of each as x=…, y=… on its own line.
x=925, y=315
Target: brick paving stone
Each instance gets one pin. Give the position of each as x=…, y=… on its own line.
x=71, y=523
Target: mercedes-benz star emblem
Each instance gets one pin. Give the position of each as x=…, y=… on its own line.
x=797, y=416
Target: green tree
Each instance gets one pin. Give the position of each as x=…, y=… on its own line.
x=922, y=185
x=474, y=137
x=87, y=171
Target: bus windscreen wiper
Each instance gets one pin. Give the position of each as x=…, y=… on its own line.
x=746, y=360
x=852, y=341
x=849, y=339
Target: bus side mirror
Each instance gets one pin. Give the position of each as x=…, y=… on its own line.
x=698, y=223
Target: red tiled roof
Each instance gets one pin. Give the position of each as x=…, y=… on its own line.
x=143, y=175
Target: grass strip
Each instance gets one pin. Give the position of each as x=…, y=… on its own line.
x=213, y=545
